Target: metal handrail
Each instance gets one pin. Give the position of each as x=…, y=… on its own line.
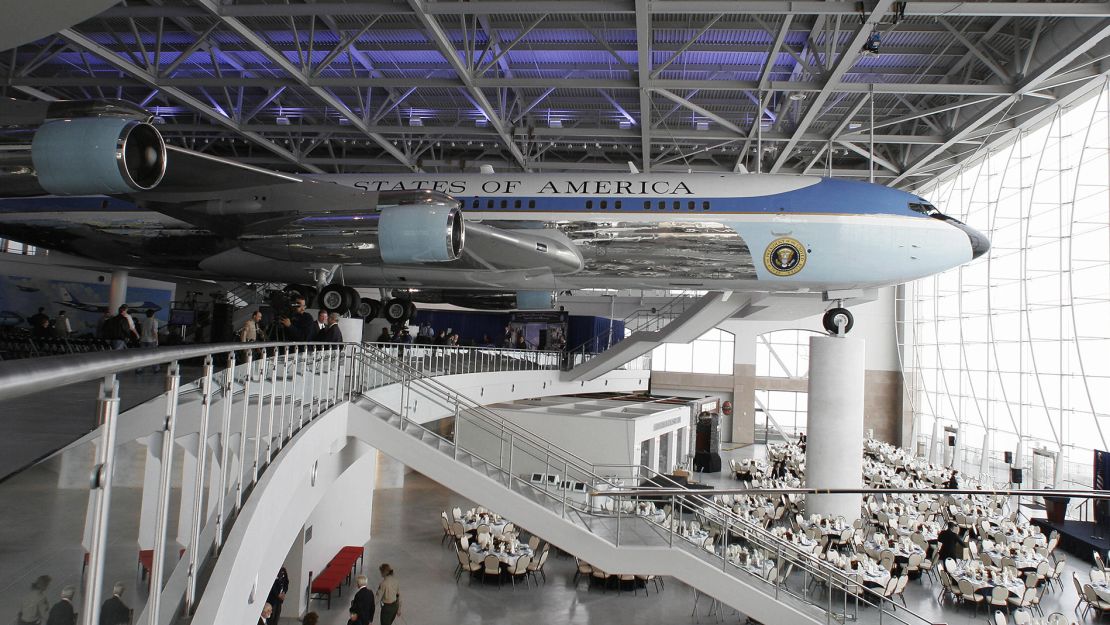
x=661, y=311
x=23, y=377
x=475, y=408
x=1090, y=494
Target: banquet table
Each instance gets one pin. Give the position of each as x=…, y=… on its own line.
x=507, y=559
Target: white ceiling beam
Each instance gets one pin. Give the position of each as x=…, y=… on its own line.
x=977, y=51
x=644, y=41
x=704, y=112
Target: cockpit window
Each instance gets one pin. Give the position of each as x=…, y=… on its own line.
x=925, y=209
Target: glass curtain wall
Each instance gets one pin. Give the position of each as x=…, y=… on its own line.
x=1013, y=350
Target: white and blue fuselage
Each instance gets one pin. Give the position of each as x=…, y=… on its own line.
x=800, y=232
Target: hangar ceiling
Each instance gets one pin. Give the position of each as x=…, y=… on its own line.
x=547, y=85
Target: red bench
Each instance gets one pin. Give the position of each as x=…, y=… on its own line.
x=335, y=574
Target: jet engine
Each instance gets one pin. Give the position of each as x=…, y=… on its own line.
x=420, y=234
x=97, y=155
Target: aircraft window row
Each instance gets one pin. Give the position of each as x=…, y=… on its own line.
x=677, y=205
x=603, y=205
x=504, y=203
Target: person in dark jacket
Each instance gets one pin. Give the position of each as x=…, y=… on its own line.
x=953, y=482
x=277, y=594
x=63, y=613
x=299, y=324
x=114, y=611
x=951, y=545
x=331, y=333
x=362, y=606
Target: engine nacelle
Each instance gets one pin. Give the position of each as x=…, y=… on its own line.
x=420, y=234
x=98, y=155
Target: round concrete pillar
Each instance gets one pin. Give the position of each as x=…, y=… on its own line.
x=117, y=290
x=834, y=447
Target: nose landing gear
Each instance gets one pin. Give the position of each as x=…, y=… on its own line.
x=837, y=321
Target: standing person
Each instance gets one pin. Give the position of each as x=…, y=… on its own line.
x=277, y=594
x=34, y=608
x=120, y=329
x=299, y=324
x=62, y=328
x=63, y=613
x=148, y=334
x=953, y=482
x=102, y=325
x=331, y=332
x=362, y=605
x=264, y=618
x=950, y=543
x=36, y=319
x=321, y=320
x=384, y=337
x=426, y=332
x=114, y=611
x=389, y=595
x=250, y=329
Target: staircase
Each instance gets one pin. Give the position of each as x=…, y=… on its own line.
x=493, y=462
x=693, y=321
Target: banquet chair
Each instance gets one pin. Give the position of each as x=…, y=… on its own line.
x=464, y=542
x=491, y=566
x=534, y=542
x=537, y=564
x=999, y=618
x=900, y=589
x=974, y=548
x=1079, y=593
x=653, y=579
x=929, y=565
x=1097, y=576
x=509, y=528
x=458, y=529
x=1022, y=617
x=584, y=570
x=598, y=576
x=1057, y=571
x=482, y=529
x=447, y=533
x=1025, y=600
x=913, y=564
x=886, y=559
x=968, y=594
x=520, y=571
x=466, y=564
x=1000, y=598
x=1098, y=561
x=986, y=559
x=1057, y=618
x=947, y=586
x=629, y=578
x=1094, y=601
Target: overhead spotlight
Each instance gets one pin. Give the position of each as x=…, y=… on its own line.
x=797, y=96
x=281, y=121
x=854, y=125
x=871, y=47
x=481, y=122
x=554, y=123
x=702, y=125
x=624, y=124
x=416, y=121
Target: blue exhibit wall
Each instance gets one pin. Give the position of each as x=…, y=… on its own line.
x=471, y=326
x=26, y=286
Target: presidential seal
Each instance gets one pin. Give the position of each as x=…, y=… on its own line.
x=784, y=257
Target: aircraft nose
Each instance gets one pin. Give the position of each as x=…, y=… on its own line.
x=980, y=244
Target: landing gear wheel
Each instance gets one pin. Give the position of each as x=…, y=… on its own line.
x=335, y=298
x=353, y=300
x=834, y=318
x=397, y=310
x=412, y=311
x=367, y=309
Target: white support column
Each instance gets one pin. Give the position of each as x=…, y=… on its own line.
x=834, y=448
x=934, y=443
x=985, y=458
x=117, y=290
x=148, y=511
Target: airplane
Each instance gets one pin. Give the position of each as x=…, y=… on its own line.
x=10, y=318
x=132, y=201
x=138, y=308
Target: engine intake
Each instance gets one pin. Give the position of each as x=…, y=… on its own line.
x=98, y=155
x=420, y=234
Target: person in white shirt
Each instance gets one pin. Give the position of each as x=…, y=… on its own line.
x=148, y=336
x=62, y=328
